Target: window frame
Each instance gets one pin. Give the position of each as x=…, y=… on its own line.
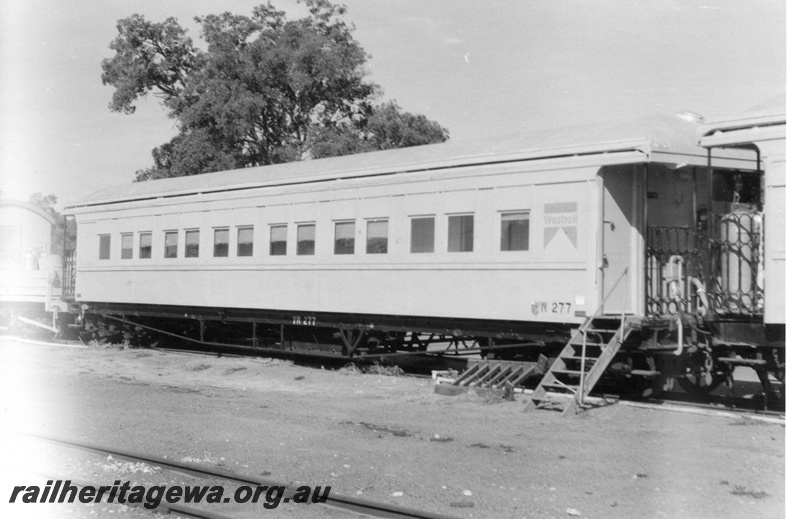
x=149, y=255
x=285, y=241
x=462, y=235
x=345, y=250
x=126, y=254
x=506, y=242
x=104, y=246
x=186, y=243
x=370, y=222
x=240, y=245
x=411, y=246
x=217, y=243
x=167, y=234
x=313, y=249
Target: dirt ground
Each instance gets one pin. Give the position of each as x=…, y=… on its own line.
x=389, y=439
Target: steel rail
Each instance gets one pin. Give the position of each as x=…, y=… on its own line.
x=772, y=417
x=741, y=405
x=362, y=506
x=747, y=405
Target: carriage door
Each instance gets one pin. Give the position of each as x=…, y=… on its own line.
x=617, y=237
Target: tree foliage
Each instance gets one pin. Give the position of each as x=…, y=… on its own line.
x=267, y=90
x=384, y=127
x=64, y=233
x=46, y=203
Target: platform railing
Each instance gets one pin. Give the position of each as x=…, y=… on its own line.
x=68, y=275
x=726, y=264
x=584, y=328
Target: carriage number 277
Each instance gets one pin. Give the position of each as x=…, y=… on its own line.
x=304, y=320
x=541, y=307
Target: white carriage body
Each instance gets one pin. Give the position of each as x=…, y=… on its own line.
x=581, y=190
x=29, y=273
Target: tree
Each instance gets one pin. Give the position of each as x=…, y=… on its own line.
x=46, y=203
x=64, y=232
x=268, y=90
x=383, y=128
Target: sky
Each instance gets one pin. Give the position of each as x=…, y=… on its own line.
x=479, y=68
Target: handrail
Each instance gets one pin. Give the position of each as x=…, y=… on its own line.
x=588, y=322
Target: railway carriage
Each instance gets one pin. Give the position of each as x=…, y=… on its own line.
x=30, y=282
x=748, y=245
x=518, y=243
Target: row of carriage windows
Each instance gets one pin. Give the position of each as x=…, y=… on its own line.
x=514, y=236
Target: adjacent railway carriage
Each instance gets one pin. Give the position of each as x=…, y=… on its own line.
x=517, y=241
x=30, y=283
x=747, y=245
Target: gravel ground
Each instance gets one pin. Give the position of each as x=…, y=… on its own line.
x=389, y=439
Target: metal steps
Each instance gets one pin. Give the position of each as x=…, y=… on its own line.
x=574, y=373
x=579, y=366
x=500, y=373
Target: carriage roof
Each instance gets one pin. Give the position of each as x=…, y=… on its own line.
x=644, y=136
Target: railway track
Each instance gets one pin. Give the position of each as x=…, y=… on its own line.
x=738, y=405
x=217, y=476
x=459, y=361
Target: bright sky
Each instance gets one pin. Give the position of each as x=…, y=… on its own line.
x=477, y=67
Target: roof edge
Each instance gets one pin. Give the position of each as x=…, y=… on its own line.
x=632, y=145
x=30, y=207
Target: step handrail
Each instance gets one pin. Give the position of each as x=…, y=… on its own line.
x=588, y=322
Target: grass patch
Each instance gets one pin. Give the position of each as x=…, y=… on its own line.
x=350, y=369
x=374, y=369
x=94, y=343
x=388, y=371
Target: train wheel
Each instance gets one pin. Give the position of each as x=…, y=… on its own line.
x=701, y=387
x=700, y=377
x=654, y=386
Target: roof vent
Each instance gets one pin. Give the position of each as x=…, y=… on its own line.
x=692, y=117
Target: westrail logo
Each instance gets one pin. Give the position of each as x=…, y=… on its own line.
x=561, y=216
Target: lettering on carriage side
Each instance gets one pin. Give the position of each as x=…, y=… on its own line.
x=550, y=307
x=304, y=320
x=561, y=216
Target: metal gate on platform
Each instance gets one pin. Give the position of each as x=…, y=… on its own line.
x=68, y=275
x=688, y=270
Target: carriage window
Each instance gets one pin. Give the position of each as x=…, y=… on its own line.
x=192, y=247
x=305, y=239
x=277, y=240
x=245, y=242
x=145, y=245
x=105, y=246
x=514, y=231
x=127, y=246
x=378, y=237
x=344, y=238
x=422, y=234
x=460, y=233
x=171, y=244
x=221, y=237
